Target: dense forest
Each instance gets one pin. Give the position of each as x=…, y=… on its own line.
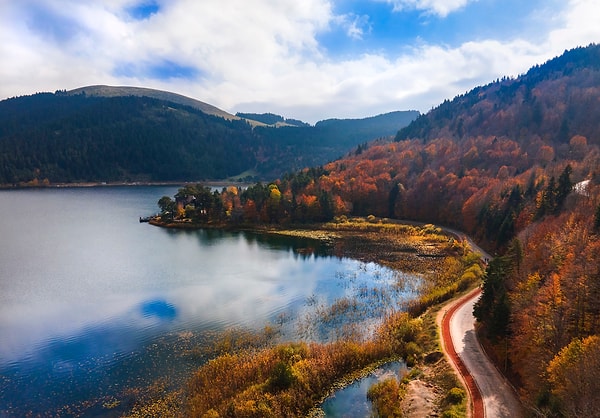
x=515, y=163
x=271, y=119
x=64, y=137
x=78, y=138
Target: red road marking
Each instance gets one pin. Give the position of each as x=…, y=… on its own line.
x=474, y=393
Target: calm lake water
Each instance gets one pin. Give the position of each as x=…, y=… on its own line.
x=352, y=402
x=94, y=304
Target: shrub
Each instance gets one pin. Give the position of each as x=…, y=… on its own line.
x=466, y=280
x=455, y=396
x=415, y=373
x=453, y=412
x=412, y=352
x=476, y=270
x=385, y=397
x=282, y=377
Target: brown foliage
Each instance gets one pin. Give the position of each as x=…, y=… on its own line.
x=386, y=396
x=556, y=299
x=575, y=377
x=242, y=384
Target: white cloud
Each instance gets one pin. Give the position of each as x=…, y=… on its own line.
x=354, y=25
x=263, y=56
x=577, y=27
x=441, y=8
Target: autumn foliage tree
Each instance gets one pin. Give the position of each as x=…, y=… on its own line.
x=575, y=377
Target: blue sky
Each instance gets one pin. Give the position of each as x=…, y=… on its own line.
x=381, y=30
x=308, y=60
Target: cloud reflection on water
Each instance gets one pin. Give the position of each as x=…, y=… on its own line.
x=85, y=298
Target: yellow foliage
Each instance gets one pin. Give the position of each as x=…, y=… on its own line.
x=386, y=396
x=574, y=374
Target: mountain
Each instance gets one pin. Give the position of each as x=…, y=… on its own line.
x=327, y=140
x=515, y=163
x=74, y=138
x=523, y=107
x=106, y=134
x=124, y=91
x=482, y=161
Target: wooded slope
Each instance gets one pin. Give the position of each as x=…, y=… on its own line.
x=103, y=134
x=516, y=164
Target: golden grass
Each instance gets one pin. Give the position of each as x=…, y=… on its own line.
x=249, y=377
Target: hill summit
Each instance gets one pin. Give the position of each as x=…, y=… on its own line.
x=123, y=91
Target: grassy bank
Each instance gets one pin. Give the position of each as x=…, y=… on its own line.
x=273, y=379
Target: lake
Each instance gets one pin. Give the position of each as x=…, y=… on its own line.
x=94, y=304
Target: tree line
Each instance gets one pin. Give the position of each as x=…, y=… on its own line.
x=280, y=202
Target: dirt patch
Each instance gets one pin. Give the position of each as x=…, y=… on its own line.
x=420, y=400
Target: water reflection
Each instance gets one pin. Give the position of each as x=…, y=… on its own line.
x=159, y=309
x=93, y=303
x=352, y=402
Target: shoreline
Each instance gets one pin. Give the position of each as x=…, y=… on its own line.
x=400, y=246
x=383, y=242
x=76, y=185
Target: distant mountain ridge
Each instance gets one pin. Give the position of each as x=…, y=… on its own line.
x=272, y=119
x=120, y=91
x=107, y=133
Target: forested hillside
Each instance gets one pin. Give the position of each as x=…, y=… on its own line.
x=516, y=164
x=104, y=134
x=271, y=119
x=78, y=138
x=331, y=136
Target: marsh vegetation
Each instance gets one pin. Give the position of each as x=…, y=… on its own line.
x=250, y=374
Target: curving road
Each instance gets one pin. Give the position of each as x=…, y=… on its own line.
x=490, y=393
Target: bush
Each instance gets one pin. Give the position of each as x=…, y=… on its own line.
x=452, y=413
x=385, y=397
x=476, y=270
x=211, y=413
x=415, y=373
x=437, y=295
x=466, y=280
x=412, y=352
x=455, y=396
x=282, y=377
x=453, y=405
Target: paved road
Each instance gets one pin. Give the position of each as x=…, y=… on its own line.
x=475, y=404
x=491, y=395
x=499, y=398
